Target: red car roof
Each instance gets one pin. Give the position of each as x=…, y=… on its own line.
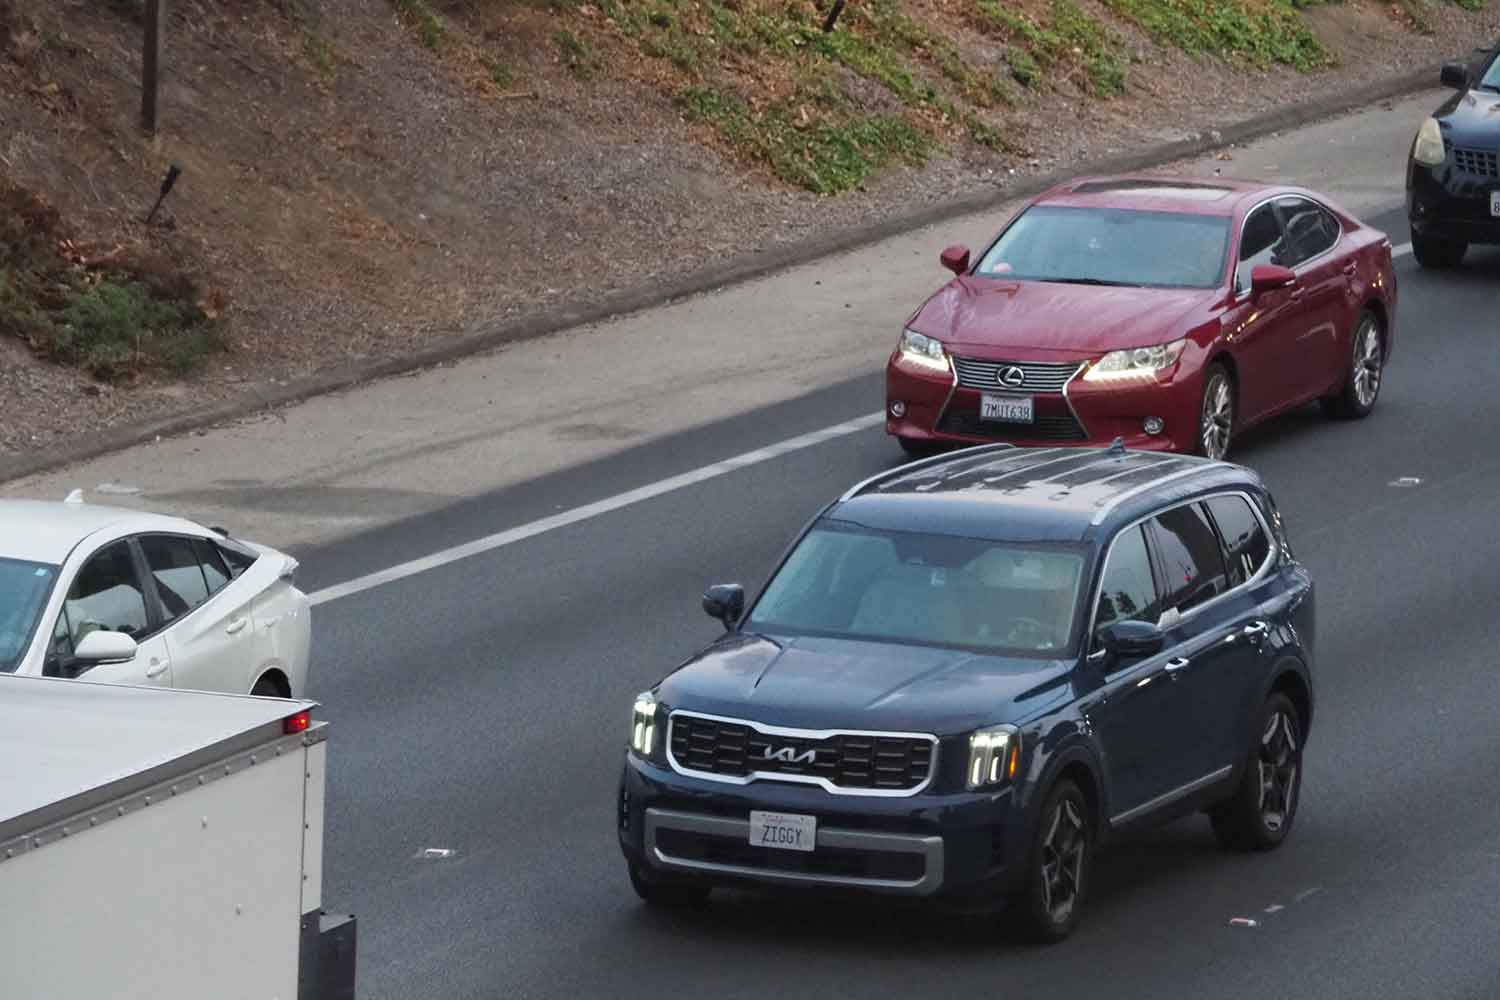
x=1194, y=195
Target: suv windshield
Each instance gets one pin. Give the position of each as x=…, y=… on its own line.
x=1109, y=246
x=24, y=587
x=1491, y=79
x=848, y=581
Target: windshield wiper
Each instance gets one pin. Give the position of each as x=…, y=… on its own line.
x=1092, y=281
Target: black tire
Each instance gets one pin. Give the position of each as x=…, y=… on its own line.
x=268, y=687
x=664, y=892
x=918, y=449
x=1216, y=412
x=1055, y=864
x=1259, y=816
x=1437, y=254
x=1361, y=388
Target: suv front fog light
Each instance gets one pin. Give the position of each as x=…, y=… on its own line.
x=994, y=755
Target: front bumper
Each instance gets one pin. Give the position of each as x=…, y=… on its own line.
x=938, y=408
x=1446, y=203
x=952, y=848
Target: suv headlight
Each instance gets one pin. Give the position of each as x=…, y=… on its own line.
x=643, y=724
x=923, y=350
x=1429, y=149
x=1136, y=363
x=994, y=755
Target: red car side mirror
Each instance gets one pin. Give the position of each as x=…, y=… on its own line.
x=1267, y=277
x=955, y=258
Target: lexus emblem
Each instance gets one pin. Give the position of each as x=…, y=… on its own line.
x=1011, y=376
x=789, y=755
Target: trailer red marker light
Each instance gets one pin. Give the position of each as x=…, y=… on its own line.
x=298, y=723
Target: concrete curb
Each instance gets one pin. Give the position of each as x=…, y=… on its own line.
x=264, y=397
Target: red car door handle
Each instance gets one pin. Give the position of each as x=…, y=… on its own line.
x=1350, y=268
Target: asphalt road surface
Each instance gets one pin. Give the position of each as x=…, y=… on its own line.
x=481, y=707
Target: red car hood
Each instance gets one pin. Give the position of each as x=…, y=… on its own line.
x=982, y=314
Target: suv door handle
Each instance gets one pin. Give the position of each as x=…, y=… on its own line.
x=156, y=669
x=235, y=626
x=1254, y=631
x=1350, y=268
x=1175, y=665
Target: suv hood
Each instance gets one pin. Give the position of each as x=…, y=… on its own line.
x=815, y=683
x=981, y=315
x=1471, y=119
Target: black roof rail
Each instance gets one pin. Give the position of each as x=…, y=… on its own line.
x=922, y=463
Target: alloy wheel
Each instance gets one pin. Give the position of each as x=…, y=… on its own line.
x=1063, y=851
x=1278, y=763
x=1369, y=360
x=1218, y=417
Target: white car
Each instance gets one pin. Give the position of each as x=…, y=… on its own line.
x=108, y=594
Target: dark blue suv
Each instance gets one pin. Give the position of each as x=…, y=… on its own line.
x=968, y=672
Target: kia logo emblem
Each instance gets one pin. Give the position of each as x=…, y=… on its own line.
x=789, y=755
x=1011, y=376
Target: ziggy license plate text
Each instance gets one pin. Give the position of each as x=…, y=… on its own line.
x=783, y=831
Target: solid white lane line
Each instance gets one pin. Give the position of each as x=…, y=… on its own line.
x=1400, y=249
x=538, y=527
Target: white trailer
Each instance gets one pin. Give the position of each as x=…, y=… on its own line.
x=165, y=845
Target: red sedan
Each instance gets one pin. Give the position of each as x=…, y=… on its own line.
x=1171, y=313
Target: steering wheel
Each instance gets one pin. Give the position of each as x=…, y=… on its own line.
x=1024, y=629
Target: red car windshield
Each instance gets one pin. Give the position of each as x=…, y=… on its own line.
x=1111, y=246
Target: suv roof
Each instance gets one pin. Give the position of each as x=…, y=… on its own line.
x=1001, y=491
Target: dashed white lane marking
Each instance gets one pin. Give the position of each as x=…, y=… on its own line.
x=522, y=532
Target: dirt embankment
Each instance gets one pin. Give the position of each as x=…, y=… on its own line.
x=360, y=176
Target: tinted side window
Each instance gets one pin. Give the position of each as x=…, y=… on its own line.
x=1244, y=536
x=1190, y=556
x=1309, y=230
x=1259, y=244
x=179, y=579
x=214, y=569
x=1128, y=589
x=107, y=595
x=237, y=560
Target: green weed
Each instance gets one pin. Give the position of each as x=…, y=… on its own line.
x=826, y=155
x=501, y=75
x=319, y=52
x=1274, y=34
x=577, y=54
x=430, y=26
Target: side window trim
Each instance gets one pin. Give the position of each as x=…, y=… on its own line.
x=1275, y=552
x=1151, y=567
x=160, y=619
x=1237, y=258
x=1279, y=205
x=1224, y=540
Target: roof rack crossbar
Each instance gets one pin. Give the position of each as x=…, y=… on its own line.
x=1119, y=498
x=921, y=463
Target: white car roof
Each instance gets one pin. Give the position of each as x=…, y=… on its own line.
x=45, y=531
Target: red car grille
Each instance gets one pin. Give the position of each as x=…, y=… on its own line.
x=1035, y=376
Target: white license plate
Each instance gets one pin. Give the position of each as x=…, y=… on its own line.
x=783, y=831
x=1011, y=409
x=1495, y=204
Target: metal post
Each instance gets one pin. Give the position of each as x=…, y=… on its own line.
x=151, y=64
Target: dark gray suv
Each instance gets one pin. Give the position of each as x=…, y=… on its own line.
x=968, y=673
